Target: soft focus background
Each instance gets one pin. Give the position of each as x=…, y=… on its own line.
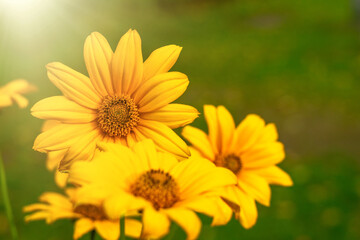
x=295, y=63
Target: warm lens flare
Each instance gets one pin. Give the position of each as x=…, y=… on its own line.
x=21, y=6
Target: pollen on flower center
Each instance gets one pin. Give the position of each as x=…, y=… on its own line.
x=117, y=115
x=91, y=211
x=157, y=187
x=231, y=162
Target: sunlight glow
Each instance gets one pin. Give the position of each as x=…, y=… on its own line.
x=20, y=4
x=23, y=12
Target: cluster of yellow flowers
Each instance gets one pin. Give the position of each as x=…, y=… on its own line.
x=110, y=136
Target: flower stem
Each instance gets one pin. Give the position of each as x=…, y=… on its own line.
x=122, y=229
x=4, y=193
x=92, y=235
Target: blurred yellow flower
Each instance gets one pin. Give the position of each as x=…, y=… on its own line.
x=251, y=151
x=124, y=100
x=155, y=184
x=11, y=93
x=88, y=216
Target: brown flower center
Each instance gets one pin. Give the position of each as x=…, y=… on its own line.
x=117, y=115
x=231, y=162
x=91, y=211
x=157, y=187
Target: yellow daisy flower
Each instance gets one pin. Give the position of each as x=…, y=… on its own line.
x=155, y=184
x=250, y=150
x=125, y=100
x=11, y=93
x=88, y=217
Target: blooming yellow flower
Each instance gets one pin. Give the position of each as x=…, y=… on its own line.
x=155, y=184
x=12, y=91
x=88, y=216
x=251, y=151
x=124, y=100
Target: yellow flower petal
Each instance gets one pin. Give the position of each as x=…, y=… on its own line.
x=144, y=154
x=274, y=175
x=54, y=158
x=56, y=199
x=173, y=115
x=263, y=155
x=129, y=164
x=61, y=214
x=213, y=207
x=35, y=207
x=199, y=140
x=61, y=136
x=213, y=126
x=155, y=224
x=61, y=179
x=132, y=228
x=49, y=124
x=161, y=90
x=226, y=127
x=82, y=226
x=256, y=187
x=20, y=100
x=166, y=161
x=127, y=64
x=246, y=134
x=71, y=193
x=146, y=151
x=269, y=134
x=62, y=109
x=83, y=149
x=248, y=212
x=130, y=139
x=83, y=172
x=164, y=138
x=196, y=176
x=5, y=101
x=91, y=194
x=195, y=153
x=161, y=60
x=98, y=56
x=117, y=205
x=55, y=206
x=187, y=220
x=37, y=216
x=108, y=229
x=18, y=86
x=73, y=85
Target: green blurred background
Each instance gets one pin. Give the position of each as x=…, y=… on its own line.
x=295, y=63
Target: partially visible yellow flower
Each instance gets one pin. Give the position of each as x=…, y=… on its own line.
x=88, y=217
x=11, y=93
x=125, y=100
x=155, y=184
x=251, y=151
